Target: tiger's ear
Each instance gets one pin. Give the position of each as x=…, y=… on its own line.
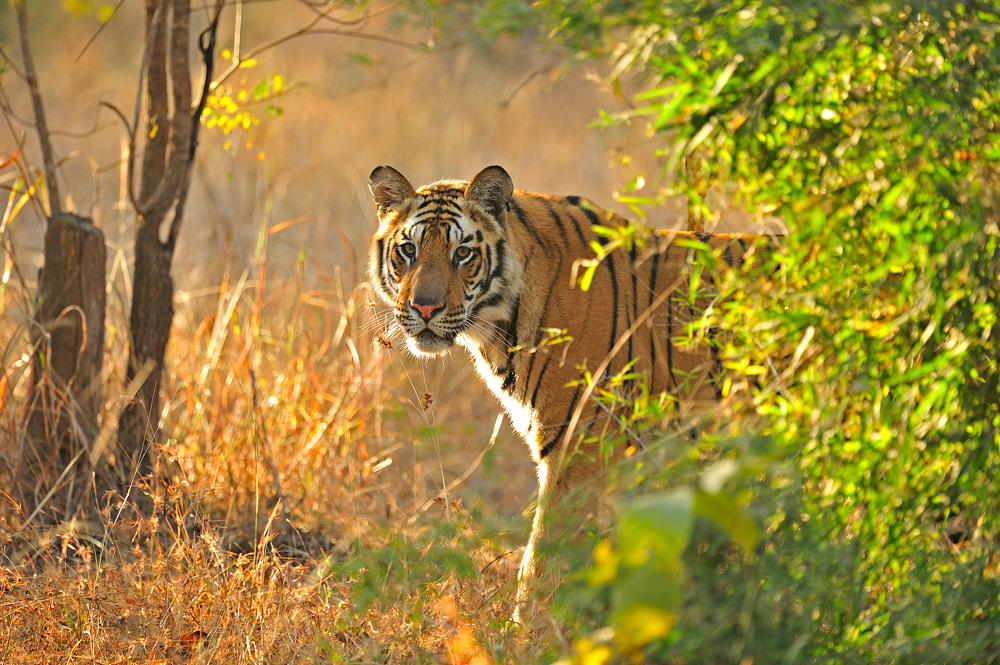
x=491, y=189
x=389, y=188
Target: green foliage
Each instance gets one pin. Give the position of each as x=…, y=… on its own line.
x=874, y=132
x=644, y=570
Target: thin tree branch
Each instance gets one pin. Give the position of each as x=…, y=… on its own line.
x=206, y=45
x=99, y=30
x=310, y=29
x=55, y=203
x=10, y=63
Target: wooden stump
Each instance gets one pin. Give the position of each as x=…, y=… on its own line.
x=69, y=344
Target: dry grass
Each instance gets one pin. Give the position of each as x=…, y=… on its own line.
x=215, y=572
x=275, y=383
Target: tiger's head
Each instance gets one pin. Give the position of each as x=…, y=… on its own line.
x=443, y=256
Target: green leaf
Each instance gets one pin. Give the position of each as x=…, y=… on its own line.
x=724, y=511
x=657, y=528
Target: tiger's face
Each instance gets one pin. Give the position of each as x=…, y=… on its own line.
x=440, y=256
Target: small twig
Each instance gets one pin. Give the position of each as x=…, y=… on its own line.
x=10, y=63
x=99, y=30
x=453, y=485
x=55, y=205
x=310, y=29
x=545, y=66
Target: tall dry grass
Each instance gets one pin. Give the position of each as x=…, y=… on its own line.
x=324, y=498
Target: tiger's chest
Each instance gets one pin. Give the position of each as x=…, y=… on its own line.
x=524, y=417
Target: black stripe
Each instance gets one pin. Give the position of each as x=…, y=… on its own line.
x=610, y=262
x=592, y=216
x=652, y=329
x=492, y=299
x=538, y=384
x=558, y=221
x=384, y=269
x=523, y=219
x=548, y=447
x=538, y=336
x=510, y=339
x=508, y=381
x=635, y=296
x=493, y=268
x=575, y=200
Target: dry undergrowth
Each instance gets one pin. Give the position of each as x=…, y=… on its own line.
x=278, y=392
x=277, y=383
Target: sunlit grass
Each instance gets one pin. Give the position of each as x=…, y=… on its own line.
x=320, y=498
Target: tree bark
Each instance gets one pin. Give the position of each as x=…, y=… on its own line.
x=66, y=367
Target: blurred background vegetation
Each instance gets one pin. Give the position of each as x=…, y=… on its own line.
x=847, y=515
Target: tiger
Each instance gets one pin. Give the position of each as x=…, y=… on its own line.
x=480, y=265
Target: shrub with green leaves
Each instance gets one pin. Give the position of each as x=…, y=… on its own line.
x=873, y=131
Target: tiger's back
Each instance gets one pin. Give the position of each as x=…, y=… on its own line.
x=634, y=310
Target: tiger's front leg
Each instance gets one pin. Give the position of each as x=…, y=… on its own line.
x=527, y=574
x=567, y=498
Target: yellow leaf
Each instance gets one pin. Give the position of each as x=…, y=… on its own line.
x=249, y=63
x=640, y=624
x=605, y=568
x=226, y=54
x=105, y=13
x=78, y=7
x=590, y=653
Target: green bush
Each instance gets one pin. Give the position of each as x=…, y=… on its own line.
x=873, y=131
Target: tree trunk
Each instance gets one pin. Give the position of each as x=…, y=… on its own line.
x=66, y=367
x=152, y=314
x=172, y=129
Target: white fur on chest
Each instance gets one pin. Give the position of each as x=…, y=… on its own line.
x=522, y=417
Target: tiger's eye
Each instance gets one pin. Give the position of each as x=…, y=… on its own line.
x=462, y=253
x=408, y=249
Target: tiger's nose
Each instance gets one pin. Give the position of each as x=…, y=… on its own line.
x=426, y=311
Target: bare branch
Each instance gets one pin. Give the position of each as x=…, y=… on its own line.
x=99, y=30
x=10, y=63
x=55, y=203
x=352, y=29
x=206, y=46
